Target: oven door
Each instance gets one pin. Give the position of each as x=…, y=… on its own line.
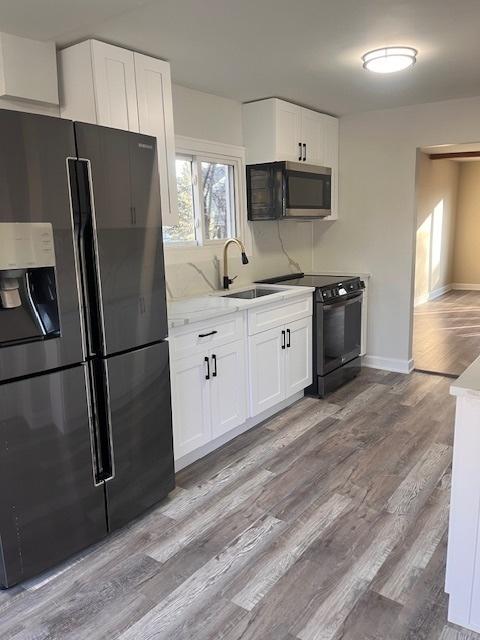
x=308, y=191
x=339, y=327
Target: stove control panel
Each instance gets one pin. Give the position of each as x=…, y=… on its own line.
x=340, y=290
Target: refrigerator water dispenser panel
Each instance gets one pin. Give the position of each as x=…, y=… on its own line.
x=28, y=293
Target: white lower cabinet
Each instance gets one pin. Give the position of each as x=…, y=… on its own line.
x=231, y=372
x=280, y=363
x=190, y=405
x=228, y=389
x=209, y=396
x=267, y=370
x=298, y=356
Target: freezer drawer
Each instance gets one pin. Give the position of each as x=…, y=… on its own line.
x=127, y=271
x=49, y=506
x=141, y=427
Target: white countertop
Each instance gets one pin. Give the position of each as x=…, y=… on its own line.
x=468, y=384
x=190, y=310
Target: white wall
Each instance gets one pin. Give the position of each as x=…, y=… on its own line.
x=436, y=194
x=277, y=248
x=202, y=115
x=376, y=227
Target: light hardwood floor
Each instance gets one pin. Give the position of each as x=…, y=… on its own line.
x=327, y=522
x=446, y=333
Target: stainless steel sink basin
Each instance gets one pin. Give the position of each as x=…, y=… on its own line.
x=250, y=294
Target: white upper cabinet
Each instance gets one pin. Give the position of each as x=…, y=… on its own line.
x=155, y=114
x=115, y=87
x=276, y=130
x=288, y=131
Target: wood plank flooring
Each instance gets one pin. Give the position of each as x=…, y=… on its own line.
x=327, y=522
x=446, y=333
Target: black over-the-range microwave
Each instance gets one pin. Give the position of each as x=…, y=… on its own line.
x=288, y=190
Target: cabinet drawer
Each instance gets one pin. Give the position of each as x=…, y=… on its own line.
x=203, y=336
x=274, y=315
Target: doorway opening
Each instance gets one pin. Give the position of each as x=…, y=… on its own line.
x=446, y=315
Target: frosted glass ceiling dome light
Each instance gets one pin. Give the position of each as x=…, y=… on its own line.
x=389, y=59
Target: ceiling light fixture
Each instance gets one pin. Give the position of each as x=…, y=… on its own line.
x=389, y=59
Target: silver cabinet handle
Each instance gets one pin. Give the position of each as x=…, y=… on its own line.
x=299, y=151
x=207, y=374
x=289, y=344
x=283, y=339
x=214, y=360
x=304, y=152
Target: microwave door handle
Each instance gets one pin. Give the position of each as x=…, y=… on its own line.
x=299, y=151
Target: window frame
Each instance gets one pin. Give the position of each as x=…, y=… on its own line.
x=198, y=151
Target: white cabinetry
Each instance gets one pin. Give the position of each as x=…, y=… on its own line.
x=209, y=387
x=113, y=70
x=262, y=354
x=190, y=404
x=115, y=87
x=228, y=393
x=155, y=116
x=267, y=370
x=276, y=130
x=463, y=557
x=280, y=358
x=298, y=356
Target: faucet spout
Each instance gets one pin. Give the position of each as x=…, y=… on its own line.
x=227, y=281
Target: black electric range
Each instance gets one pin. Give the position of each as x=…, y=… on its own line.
x=337, y=327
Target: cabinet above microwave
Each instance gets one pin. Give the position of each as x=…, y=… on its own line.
x=279, y=131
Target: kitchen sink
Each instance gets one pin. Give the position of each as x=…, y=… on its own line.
x=250, y=294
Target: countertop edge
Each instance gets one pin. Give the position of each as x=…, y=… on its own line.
x=468, y=384
x=237, y=304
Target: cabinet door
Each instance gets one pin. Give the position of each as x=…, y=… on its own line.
x=190, y=405
x=298, y=356
x=288, y=131
x=155, y=113
x=228, y=388
x=115, y=90
x=313, y=136
x=267, y=370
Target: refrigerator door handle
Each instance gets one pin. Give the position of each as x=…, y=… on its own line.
x=96, y=470
x=95, y=268
x=76, y=223
x=102, y=421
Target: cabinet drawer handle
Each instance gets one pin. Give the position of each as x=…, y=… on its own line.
x=304, y=152
x=207, y=362
x=214, y=360
x=299, y=151
x=210, y=333
x=288, y=339
x=283, y=339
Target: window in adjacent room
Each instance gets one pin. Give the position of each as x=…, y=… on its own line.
x=206, y=201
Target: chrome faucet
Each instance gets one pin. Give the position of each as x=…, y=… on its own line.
x=226, y=280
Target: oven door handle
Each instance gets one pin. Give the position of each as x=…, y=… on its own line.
x=343, y=303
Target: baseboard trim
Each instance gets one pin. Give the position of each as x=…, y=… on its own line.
x=388, y=364
x=191, y=457
x=436, y=293
x=466, y=286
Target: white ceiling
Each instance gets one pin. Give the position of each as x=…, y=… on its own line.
x=304, y=50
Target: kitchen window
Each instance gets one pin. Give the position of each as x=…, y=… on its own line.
x=206, y=192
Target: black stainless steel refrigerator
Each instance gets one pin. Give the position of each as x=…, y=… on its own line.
x=85, y=413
